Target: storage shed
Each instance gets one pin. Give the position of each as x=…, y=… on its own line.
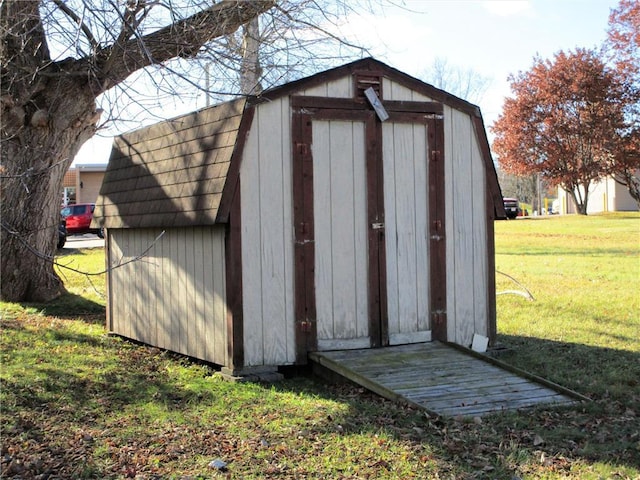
x=350, y=209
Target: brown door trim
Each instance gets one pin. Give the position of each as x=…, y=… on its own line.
x=306, y=335
x=233, y=279
x=437, y=230
x=378, y=314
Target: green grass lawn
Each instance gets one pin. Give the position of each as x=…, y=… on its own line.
x=584, y=274
x=77, y=403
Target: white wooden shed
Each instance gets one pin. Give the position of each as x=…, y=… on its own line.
x=299, y=221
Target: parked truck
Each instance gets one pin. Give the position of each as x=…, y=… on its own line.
x=511, y=206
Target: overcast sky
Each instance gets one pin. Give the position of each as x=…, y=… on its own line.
x=495, y=38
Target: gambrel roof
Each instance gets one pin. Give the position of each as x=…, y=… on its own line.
x=184, y=171
x=173, y=173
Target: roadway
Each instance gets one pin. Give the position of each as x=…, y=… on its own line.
x=88, y=240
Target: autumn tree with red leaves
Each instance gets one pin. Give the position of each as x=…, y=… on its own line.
x=622, y=49
x=566, y=121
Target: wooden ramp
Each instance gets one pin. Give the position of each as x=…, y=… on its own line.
x=442, y=379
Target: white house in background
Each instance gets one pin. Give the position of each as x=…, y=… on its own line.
x=607, y=195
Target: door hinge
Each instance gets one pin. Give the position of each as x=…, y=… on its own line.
x=377, y=226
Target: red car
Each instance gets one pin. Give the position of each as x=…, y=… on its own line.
x=78, y=218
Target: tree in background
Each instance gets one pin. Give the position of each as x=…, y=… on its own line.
x=623, y=38
x=565, y=122
x=464, y=83
x=297, y=38
x=622, y=50
x=293, y=39
x=524, y=188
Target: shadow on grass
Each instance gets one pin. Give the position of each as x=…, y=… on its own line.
x=558, y=251
x=70, y=306
x=605, y=430
x=600, y=373
x=97, y=393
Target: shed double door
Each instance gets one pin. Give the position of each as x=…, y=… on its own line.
x=362, y=197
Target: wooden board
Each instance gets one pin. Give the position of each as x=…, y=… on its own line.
x=340, y=232
x=441, y=379
x=406, y=225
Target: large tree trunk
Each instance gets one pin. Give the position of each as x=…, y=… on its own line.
x=48, y=111
x=40, y=137
x=47, y=114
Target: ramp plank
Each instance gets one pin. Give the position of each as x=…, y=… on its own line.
x=441, y=379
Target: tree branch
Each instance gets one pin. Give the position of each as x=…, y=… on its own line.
x=51, y=259
x=181, y=39
x=76, y=19
x=526, y=294
x=318, y=28
x=23, y=46
x=119, y=263
x=130, y=20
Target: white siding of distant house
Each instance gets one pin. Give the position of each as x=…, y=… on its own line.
x=606, y=195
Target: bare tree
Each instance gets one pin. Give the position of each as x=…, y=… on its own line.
x=524, y=188
x=296, y=38
x=68, y=67
x=49, y=107
x=464, y=83
x=293, y=39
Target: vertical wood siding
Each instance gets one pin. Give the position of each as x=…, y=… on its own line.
x=341, y=88
x=341, y=255
x=395, y=91
x=480, y=245
x=174, y=297
x=466, y=230
x=465, y=192
x=267, y=238
x=406, y=227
